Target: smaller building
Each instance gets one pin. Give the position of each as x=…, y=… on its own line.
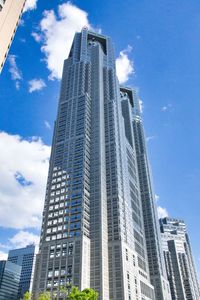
x=24, y=257
x=10, y=13
x=179, y=261
x=9, y=280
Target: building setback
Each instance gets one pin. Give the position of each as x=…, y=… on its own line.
x=179, y=261
x=10, y=13
x=157, y=269
x=24, y=257
x=93, y=231
x=9, y=280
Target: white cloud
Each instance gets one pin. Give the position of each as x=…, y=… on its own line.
x=37, y=37
x=157, y=197
x=47, y=125
x=149, y=138
x=124, y=66
x=57, y=32
x=36, y=85
x=162, y=212
x=166, y=107
x=3, y=255
x=24, y=238
x=30, y=5
x=23, y=173
x=15, y=72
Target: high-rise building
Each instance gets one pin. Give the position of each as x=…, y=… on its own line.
x=179, y=261
x=10, y=13
x=157, y=269
x=93, y=231
x=24, y=257
x=9, y=280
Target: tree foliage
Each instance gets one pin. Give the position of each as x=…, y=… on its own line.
x=68, y=293
x=86, y=294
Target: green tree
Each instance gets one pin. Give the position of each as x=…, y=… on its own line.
x=27, y=296
x=86, y=294
x=44, y=296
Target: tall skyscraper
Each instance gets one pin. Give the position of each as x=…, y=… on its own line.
x=9, y=280
x=93, y=229
x=152, y=233
x=179, y=261
x=10, y=13
x=24, y=257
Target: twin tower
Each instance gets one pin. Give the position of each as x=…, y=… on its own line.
x=100, y=226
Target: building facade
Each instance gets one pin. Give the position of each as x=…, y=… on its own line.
x=9, y=280
x=10, y=13
x=157, y=269
x=93, y=231
x=179, y=261
x=24, y=257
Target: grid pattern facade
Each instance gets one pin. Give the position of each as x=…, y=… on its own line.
x=93, y=229
x=9, y=280
x=152, y=233
x=24, y=257
x=179, y=261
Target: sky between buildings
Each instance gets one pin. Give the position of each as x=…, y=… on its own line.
x=157, y=48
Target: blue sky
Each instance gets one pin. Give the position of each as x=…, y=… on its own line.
x=163, y=63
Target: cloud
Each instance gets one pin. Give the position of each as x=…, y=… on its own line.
x=36, y=85
x=157, y=197
x=57, y=32
x=22, y=180
x=3, y=255
x=47, y=125
x=30, y=5
x=37, y=37
x=15, y=72
x=162, y=212
x=149, y=138
x=24, y=238
x=124, y=66
x=166, y=107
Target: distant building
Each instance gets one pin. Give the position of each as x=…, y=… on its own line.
x=179, y=261
x=10, y=13
x=24, y=257
x=9, y=280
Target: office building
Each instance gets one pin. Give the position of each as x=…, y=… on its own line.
x=151, y=225
x=93, y=229
x=9, y=280
x=179, y=261
x=24, y=257
x=10, y=13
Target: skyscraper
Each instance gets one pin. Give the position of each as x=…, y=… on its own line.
x=24, y=257
x=179, y=261
x=10, y=13
x=151, y=225
x=93, y=229
x=9, y=280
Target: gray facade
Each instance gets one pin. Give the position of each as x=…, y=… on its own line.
x=157, y=269
x=179, y=261
x=93, y=231
x=24, y=257
x=9, y=280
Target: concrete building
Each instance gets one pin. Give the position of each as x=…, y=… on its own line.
x=93, y=231
x=10, y=13
x=24, y=257
x=179, y=261
x=9, y=280
x=151, y=225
